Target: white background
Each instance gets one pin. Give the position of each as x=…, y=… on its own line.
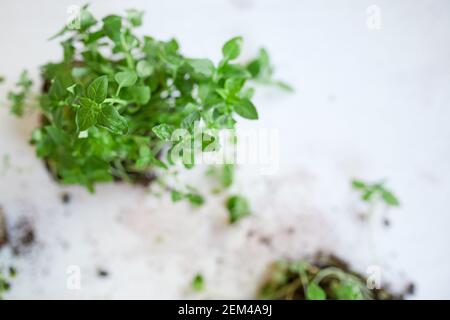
x=368, y=103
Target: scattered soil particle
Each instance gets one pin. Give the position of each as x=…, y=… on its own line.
x=386, y=222
x=65, y=197
x=102, y=273
x=411, y=288
x=265, y=240
x=362, y=216
x=3, y=230
x=22, y=236
x=290, y=230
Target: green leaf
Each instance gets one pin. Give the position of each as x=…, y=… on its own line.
x=283, y=85
x=57, y=91
x=176, y=196
x=190, y=120
x=232, y=48
x=234, y=85
x=202, y=66
x=195, y=199
x=347, y=291
x=110, y=119
x=238, y=207
x=367, y=195
x=198, y=282
x=314, y=292
x=135, y=17
x=125, y=79
x=141, y=94
x=111, y=26
x=163, y=131
x=390, y=198
x=358, y=184
x=246, y=109
x=86, y=19
x=75, y=89
x=98, y=89
x=144, y=69
x=86, y=115
x=227, y=175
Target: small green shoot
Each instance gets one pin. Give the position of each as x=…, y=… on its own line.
x=372, y=192
x=198, y=283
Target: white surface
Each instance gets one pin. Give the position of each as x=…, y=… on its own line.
x=369, y=104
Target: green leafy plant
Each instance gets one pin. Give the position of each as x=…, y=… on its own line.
x=326, y=279
x=5, y=280
x=111, y=106
x=376, y=191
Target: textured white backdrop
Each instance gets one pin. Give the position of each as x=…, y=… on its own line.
x=370, y=104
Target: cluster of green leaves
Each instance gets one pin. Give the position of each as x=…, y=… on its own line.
x=18, y=99
x=374, y=192
x=113, y=101
x=301, y=280
x=5, y=280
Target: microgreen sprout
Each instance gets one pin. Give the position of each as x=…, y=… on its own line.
x=375, y=191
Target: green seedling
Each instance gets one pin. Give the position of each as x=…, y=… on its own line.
x=375, y=192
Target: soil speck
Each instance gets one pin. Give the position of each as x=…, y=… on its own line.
x=65, y=197
x=3, y=230
x=102, y=273
x=22, y=236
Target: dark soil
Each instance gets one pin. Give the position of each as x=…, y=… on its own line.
x=102, y=273
x=65, y=197
x=20, y=236
x=3, y=229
